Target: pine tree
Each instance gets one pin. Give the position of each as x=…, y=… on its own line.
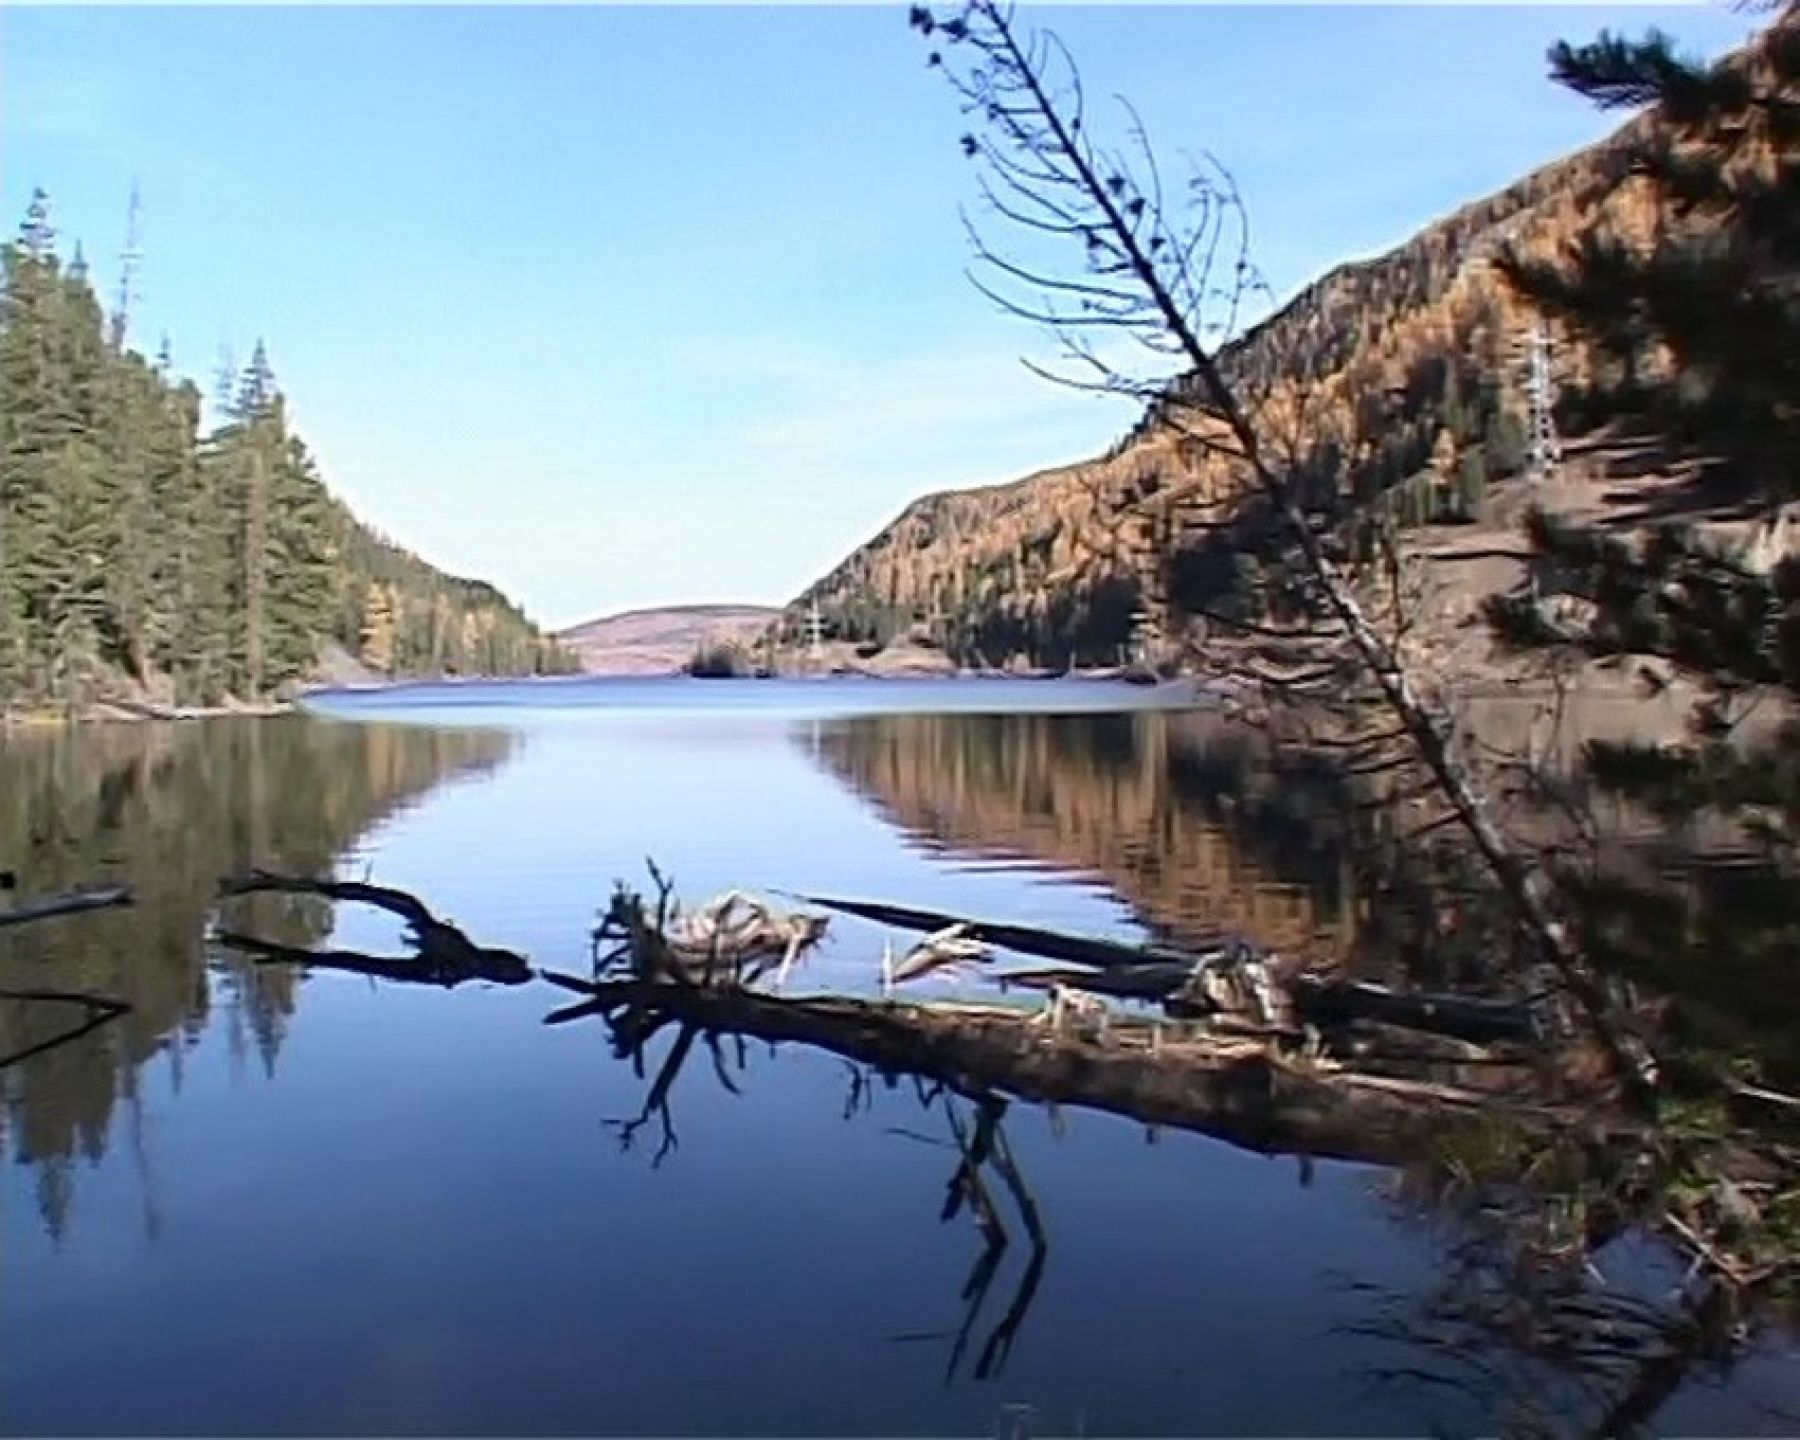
x=1701, y=325
x=69, y=576
x=133, y=542
x=1708, y=306
x=199, y=650
x=1714, y=304
x=303, y=556
x=37, y=421
x=133, y=553
x=36, y=234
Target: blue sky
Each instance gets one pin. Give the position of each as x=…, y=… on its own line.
x=623, y=306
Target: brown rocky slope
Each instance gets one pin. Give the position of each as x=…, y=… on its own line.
x=1395, y=381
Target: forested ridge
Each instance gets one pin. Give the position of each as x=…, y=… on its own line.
x=1391, y=387
x=144, y=556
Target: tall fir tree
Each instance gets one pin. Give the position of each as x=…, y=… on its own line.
x=1697, y=326
x=138, y=558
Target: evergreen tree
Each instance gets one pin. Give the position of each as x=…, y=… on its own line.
x=130, y=577
x=134, y=554
x=1701, y=324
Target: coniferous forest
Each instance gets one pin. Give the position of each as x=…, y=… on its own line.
x=146, y=555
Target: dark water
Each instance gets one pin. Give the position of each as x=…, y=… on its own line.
x=276, y=1203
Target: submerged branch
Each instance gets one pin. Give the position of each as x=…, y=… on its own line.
x=72, y=903
x=1025, y=939
x=101, y=1010
x=444, y=954
x=404, y=970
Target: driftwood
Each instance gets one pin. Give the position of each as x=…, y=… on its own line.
x=733, y=938
x=444, y=954
x=1240, y=1090
x=1465, y=1017
x=1232, y=979
x=951, y=949
x=1314, y=1001
x=73, y=903
x=1025, y=939
x=1156, y=981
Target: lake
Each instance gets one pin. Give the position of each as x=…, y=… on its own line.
x=272, y=1202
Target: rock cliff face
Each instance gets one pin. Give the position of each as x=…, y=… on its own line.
x=1396, y=380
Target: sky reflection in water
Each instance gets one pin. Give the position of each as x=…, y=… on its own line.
x=414, y=1216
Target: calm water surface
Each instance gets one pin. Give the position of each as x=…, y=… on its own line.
x=268, y=1202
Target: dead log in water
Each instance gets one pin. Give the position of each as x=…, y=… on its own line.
x=734, y=937
x=1154, y=982
x=444, y=955
x=1025, y=939
x=1474, y=1018
x=72, y=903
x=1243, y=1091
x=1192, y=984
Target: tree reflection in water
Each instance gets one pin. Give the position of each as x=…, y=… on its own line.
x=1554, y=1309
x=166, y=809
x=1557, y=1306
x=1560, y=1303
x=984, y=1170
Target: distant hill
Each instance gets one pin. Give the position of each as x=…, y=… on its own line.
x=659, y=641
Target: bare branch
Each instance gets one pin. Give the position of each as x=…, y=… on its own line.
x=1020, y=86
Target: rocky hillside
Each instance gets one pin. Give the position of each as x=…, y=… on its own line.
x=659, y=642
x=1395, y=381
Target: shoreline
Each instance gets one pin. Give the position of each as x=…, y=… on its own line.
x=136, y=712
x=119, y=711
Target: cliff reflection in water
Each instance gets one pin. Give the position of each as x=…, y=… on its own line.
x=167, y=810
x=1191, y=819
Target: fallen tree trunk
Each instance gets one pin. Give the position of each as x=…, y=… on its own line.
x=1160, y=973
x=1315, y=1001
x=445, y=955
x=404, y=969
x=1025, y=939
x=1466, y=1017
x=1156, y=981
x=72, y=903
x=1242, y=1091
